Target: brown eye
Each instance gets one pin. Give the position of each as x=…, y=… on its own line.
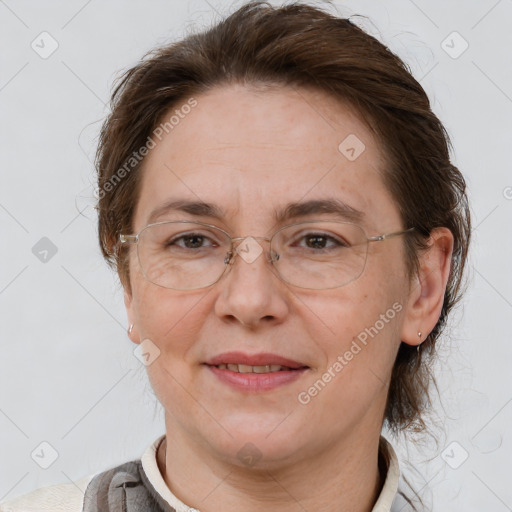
x=191, y=241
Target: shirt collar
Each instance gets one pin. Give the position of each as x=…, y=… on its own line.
x=383, y=503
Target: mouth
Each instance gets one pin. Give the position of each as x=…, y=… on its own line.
x=255, y=363
x=244, y=368
x=255, y=373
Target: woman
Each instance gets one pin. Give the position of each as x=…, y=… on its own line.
x=278, y=200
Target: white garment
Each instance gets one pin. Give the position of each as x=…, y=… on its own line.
x=69, y=497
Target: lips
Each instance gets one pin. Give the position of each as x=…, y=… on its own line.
x=255, y=373
x=256, y=363
x=244, y=368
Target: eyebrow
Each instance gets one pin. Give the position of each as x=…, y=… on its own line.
x=290, y=211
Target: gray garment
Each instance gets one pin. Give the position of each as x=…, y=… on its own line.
x=125, y=488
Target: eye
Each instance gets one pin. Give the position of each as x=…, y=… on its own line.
x=190, y=241
x=321, y=241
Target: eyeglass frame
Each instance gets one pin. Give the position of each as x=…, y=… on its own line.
x=231, y=254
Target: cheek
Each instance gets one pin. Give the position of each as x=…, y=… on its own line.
x=364, y=319
x=370, y=320
x=171, y=321
x=359, y=355
x=374, y=298
x=155, y=309
x=166, y=317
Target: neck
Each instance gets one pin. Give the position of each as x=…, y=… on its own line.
x=343, y=478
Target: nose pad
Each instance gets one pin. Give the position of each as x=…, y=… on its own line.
x=229, y=258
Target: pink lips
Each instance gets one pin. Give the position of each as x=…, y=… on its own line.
x=253, y=360
x=255, y=382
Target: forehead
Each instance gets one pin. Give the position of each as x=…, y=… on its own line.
x=251, y=151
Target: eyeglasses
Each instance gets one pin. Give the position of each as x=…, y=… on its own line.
x=316, y=255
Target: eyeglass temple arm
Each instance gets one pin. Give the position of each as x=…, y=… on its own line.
x=378, y=238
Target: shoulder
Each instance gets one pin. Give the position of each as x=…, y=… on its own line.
x=100, y=492
x=66, y=497
x=97, y=492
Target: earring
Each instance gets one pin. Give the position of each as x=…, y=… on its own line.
x=130, y=329
x=418, y=346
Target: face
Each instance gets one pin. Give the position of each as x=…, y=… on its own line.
x=251, y=153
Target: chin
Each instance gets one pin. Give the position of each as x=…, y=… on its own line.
x=258, y=442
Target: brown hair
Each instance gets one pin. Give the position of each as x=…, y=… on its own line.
x=301, y=45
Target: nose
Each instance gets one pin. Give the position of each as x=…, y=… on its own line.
x=251, y=291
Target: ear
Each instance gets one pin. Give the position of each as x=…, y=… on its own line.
x=128, y=302
x=427, y=289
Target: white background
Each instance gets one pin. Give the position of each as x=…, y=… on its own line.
x=67, y=370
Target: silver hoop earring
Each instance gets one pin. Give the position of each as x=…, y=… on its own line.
x=130, y=329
